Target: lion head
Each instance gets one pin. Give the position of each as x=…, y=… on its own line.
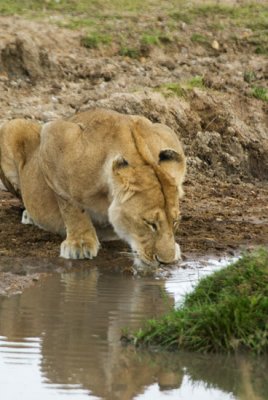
x=145, y=211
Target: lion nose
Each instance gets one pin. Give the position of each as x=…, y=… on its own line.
x=158, y=259
x=169, y=260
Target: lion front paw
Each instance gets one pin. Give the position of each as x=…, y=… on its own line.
x=79, y=249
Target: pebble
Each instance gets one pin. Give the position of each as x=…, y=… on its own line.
x=215, y=45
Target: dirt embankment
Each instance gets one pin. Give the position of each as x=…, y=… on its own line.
x=201, y=91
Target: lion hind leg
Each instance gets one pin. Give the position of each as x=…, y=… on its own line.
x=81, y=241
x=26, y=219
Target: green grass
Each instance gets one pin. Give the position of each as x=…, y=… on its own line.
x=130, y=52
x=227, y=311
x=249, y=76
x=196, y=81
x=181, y=89
x=172, y=89
x=206, y=10
x=150, y=39
x=94, y=40
x=258, y=41
x=99, y=16
x=199, y=38
x=262, y=49
x=182, y=15
x=74, y=7
x=250, y=15
x=77, y=23
x=260, y=93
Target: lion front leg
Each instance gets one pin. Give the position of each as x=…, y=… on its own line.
x=81, y=241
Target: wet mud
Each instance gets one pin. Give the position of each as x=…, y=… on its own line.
x=217, y=219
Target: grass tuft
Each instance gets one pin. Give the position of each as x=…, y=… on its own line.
x=196, y=81
x=227, y=311
x=262, y=48
x=198, y=38
x=150, y=39
x=94, y=40
x=130, y=52
x=260, y=93
x=183, y=16
x=181, y=89
x=249, y=76
x=172, y=89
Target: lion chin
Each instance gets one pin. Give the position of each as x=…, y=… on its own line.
x=99, y=167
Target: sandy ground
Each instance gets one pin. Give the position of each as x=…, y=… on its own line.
x=45, y=73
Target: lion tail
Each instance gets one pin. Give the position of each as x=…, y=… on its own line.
x=18, y=139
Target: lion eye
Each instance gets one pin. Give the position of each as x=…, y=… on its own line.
x=152, y=225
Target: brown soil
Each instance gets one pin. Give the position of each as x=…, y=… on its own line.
x=45, y=73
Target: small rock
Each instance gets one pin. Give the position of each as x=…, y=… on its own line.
x=184, y=50
x=54, y=99
x=14, y=84
x=215, y=45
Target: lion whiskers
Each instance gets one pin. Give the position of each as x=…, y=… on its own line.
x=130, y=255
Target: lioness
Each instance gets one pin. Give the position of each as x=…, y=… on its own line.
x=103, y=166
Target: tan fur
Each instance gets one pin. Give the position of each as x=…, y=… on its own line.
x=18, y=140
x=102, y=165
x=22, y=176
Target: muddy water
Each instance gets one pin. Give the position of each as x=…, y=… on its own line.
x=60, y=340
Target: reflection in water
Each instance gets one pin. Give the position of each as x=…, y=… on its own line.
x=62, y=338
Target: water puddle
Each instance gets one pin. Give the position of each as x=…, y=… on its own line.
x=60, y=340
x=182, y=280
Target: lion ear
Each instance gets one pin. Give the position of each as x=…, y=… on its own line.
x=121, y=172
x=169, y=155
x=175, y=165
x=123, y=179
